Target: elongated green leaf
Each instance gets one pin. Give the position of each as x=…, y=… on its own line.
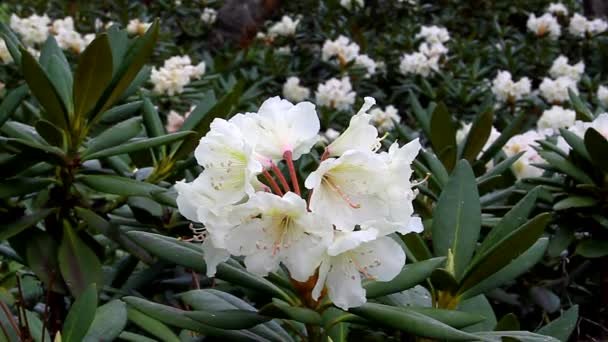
x=478, y=135
x=12, y=101
x=79, y=265
x=513, y=219
x=421, y=115
x=562, y=327
x=454, y=318
x=43, y=90
x=35, y=325
x=411, y=275
x=114, y=136
x=133, y=337
x=93, y=74
x=81, y=315
x=10, y=229
x=481, y=306
x=576, y=142
x=410, y=321
x=22, y=186
x=508, y=322
x=575, y=202
x=505, y=251
x=50, y=49
x=500, y=168
x=43, y=150
x=579, y=106
x=121, y=112
x=513, y=128
x=154, y=126
x=436, y=167
x=513, y=270
x=152, y=326
x=119, y=43
x=281, y=309
x=12, y=43
x=338, y=332
x=119, y=185
x=140, y=144
x=110, y=320
x=523, y=336
x=565, y=166
x=53, y=135
x=457, y=218
x=597, y=146
x=202, y=109
x=443, y=136
x=61, y=76
x=229, y=319
x=593, y=248
x=41, y=253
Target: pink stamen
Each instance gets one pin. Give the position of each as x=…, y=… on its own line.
x=288, y=156
x=325, y=154
x=273, y=184
x=342, y=194
x=280, y=176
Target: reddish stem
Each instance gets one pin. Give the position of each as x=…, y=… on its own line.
x=325, y=155
x=273, y=184
x=288, y=156
x=280, y=176
x=11, y=320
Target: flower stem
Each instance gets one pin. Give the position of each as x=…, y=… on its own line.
x=292, y=172
x=273, y=184
x=280, y=176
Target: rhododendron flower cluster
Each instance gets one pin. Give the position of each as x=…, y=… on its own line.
x=426, y=59
x=336, y=93
x=545, y=25
x=333, y=231
x=507, y=90
x=175, y=74
x=345, y=51
x=137, y=27
x=293, y=91
x=581, y=27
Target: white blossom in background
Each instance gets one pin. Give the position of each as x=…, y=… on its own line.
x=70, y=40
x=137, y=27
x=556, y=91
x=581, y=27
x=88, y=38
x=32, y=30
x=506, y=90
x=175, y=74
x=341, y=48
x=555, y=118
x=544, y=25
x=176, y=120
x=560, y=67
x=523, y=167
x=209, y=15
x=557, y=8
x=433, y=50
x=293, y=91
x=433, y=34
x=329, y=136
x=65, y=24
x=463, y=132
x=5, y=56
x=270, y=226
x=367, y=63
x=419, y=64
x=385, y=119
x=336, y=93
x=349, y=4
x=602, y=92
x=98, y=24
x=286, y=27
x=600, y=124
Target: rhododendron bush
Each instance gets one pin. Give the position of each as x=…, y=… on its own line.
x=303, y=171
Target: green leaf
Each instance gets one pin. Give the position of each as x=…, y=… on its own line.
x=49, y=132
x=410, y=321
x=562, y=327
x=438, y=170
x=281, y=309
x=81, y=315
x=565, y=166
x=411, y=275
x=119, y=43
x=513, y=270
x=43, y=90
x=121, y=112
x=93, y=74
x=514, y=218
x=457, y=218
x=481, y=306
x=512, y=129
x=575, y=202
x=151, y=325
x=229, y=319
x=576, y=142
x=338, y=332
x=21, y=186
x=421, y=115
x=10, y=229
x=119, y=185
x=12, y=43
x=505, y=251
x=11, y=101
x=79, y=265
x=443, y=136
x=580, y=108
x=114, y=136
x=133, y=337
x=507, y=322
x=35, y=325
x=60, y=75
x=49, y=50
x=200, y=112
x=597, y=146
x=500, y=168
x=592, y=248
x=154, y=126
x=478, y=135
x=110, y=320
x=138, y=144
x=41, y=253
x=523, y=336
x=453, y=318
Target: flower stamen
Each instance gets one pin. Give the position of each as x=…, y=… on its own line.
x=280, y=176
x=342, y=194
x=273, y=184
x=292, y=171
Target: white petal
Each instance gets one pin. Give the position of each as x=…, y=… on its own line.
x=381, y=259
x=262, y=263
x=304, y=256
x=346, y=241
x=344, y=283
x=213, y=256
x=360, y=134
x=323, y=270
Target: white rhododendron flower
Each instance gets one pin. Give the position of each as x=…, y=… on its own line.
x=341, y=48
x=336, y=93
x=418, y=63
x=329, y=236
x=600, y=124
x=555, y=118
x=385, y=119
x=356, y=254
x=558, y=8
x=367, y=63
x=433, y=50
x=433, y=34
x=65, y=24
x=175, y=120
x=506, y=90
x=32, y=30
x=5, y=55
x=560, y=67
x=293, y=91
x=209, y=15
x=286, y=27
x=523, y=167
x=136, y=26
x=581, y=27
x=556, y=91
x=602, y=92
x=544, y=25
x=350, y=4
x=175, y=74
